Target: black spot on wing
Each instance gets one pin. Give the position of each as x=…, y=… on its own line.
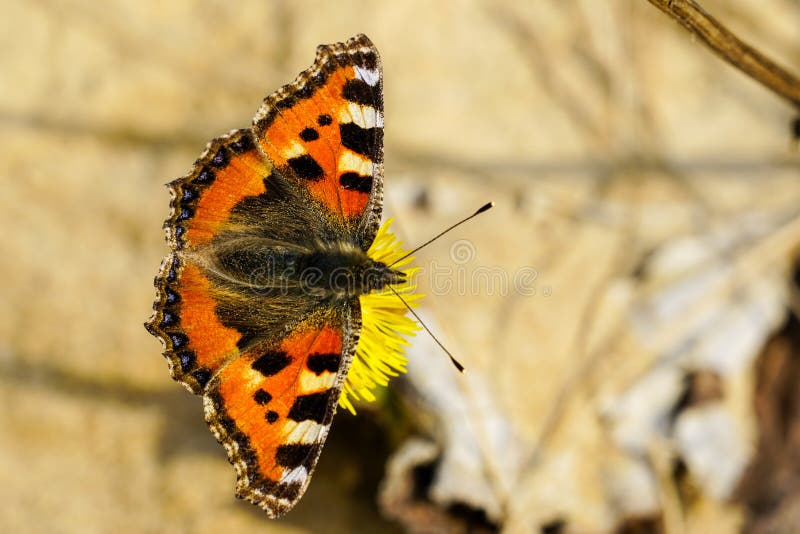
x=272, y=362
x=168, y=319
x=271, y=416
x=310, y=407
x=221, y=158
x=309, y=134
x=202, y=376
x=295, y=454
x=187, y=360
x=324, y=119
x=262, y=396
x=243, y=144
x=178, y=340
x=186, y=214
x=360, y=92
x=321, y=363
x=355, y=182
x=188, y=194
x=361, y=140
x=205, y=176
x=306, y=167
x=172, y=296
x=172, y=273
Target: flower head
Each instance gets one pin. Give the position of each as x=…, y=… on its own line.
x=384, y=325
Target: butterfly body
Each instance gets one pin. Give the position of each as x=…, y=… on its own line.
x=277, y=254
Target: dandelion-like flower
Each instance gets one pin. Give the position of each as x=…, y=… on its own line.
x=384, y=325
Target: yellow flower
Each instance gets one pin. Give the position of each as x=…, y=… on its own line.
x=384, y=324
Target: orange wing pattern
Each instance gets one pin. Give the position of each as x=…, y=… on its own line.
x=312, y=164
x=325, y=129
x=272, y=408
x=230, y=169
x=185, y=319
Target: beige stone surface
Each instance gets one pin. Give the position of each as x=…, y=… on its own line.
x=605, y=135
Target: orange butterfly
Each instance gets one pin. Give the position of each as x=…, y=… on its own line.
x=277, y=301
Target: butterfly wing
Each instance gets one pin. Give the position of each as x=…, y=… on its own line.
x=196, y=342
x=272, y=408
x=325, y=131
x=270, y=365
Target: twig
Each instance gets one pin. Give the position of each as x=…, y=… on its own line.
x=732, y=49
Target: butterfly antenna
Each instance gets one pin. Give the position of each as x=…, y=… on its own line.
x=480, y=210
x=428, y=330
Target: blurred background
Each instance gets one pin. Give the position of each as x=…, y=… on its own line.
x=627, y=314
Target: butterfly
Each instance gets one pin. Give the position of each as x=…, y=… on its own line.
x=278, y=300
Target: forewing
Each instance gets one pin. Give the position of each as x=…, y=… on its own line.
x=325, y=131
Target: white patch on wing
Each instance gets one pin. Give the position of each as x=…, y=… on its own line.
x=311, y=383
x=364, y=116
x=306, y=432
x=349, y=161
x=293, y=150
x=298, y=474
x=254, y=379
x=370, y=77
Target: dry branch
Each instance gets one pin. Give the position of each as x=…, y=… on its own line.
x=732, y=49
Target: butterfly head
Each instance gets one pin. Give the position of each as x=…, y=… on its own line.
x=379, y=275
x=385, y=324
